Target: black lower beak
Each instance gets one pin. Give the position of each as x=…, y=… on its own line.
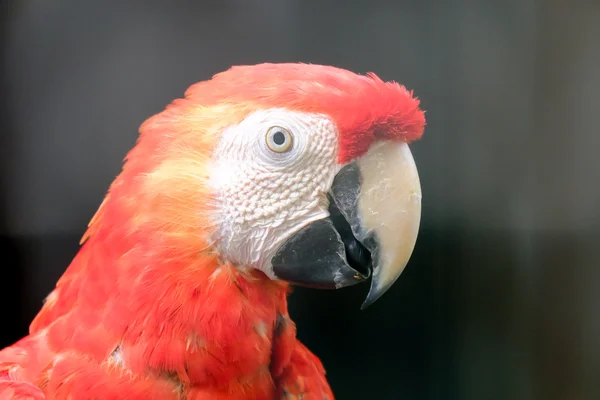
x=325, y=253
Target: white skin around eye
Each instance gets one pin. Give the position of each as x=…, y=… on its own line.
x=265, y=196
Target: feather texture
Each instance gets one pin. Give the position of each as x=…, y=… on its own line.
x=147, y=309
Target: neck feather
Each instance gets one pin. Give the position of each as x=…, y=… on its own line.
x=131, y=297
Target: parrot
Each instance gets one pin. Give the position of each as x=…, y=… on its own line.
x=259, y=179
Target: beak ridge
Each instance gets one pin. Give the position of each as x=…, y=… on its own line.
x=390, y=210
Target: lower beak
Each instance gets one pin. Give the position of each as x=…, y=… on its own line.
x=375, y=212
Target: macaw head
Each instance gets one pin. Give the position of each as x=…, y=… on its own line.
x=300, y=171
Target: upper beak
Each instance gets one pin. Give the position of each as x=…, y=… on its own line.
x=375, y=212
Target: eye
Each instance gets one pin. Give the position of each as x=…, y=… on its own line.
x=279, y=139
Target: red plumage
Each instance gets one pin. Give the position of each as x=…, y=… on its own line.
x=364, y=107
x=146, y=310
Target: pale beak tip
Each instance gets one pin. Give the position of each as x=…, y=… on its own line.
x=368, y=301
x=375, y=292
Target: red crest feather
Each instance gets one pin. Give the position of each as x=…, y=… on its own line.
x=364, y=107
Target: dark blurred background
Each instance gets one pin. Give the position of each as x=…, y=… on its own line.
x=501, y=298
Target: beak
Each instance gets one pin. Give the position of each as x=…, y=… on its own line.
x=375, y=212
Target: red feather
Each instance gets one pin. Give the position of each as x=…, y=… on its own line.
x=146, y=310
x=364, y=108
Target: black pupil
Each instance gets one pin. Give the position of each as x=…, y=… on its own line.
x=278, y=138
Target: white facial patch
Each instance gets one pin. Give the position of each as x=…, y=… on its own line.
x=264, y=194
